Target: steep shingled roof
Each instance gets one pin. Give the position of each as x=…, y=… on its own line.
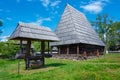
x=75, y=28
x=34, y=32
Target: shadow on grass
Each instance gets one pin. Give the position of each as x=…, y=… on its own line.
x=48, y=65
x=54, y=65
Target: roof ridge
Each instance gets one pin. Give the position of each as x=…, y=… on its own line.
x=73, y=22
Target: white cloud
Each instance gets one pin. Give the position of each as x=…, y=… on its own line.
x=54, y=12
x=4, y=38
x=95, y=6
x=55, y=3
x=51, y=5
x=45, y=3
x=41, y=20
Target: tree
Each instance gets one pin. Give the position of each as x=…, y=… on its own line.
x=1, y=24
x=9, y=48
x=114, y=36
x=106, y=29
x=37, y=46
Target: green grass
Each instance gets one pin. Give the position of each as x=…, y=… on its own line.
x=103, y=68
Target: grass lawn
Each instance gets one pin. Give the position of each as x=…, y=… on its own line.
x=103, y=68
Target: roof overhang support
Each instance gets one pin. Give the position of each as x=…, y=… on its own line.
x=59, y=50
x=27, y=55
x=21, y=51
x=43, y=52
x=67, y=49
x=78, y=49
x=48, y=47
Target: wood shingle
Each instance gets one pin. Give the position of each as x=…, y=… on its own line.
x=33, y=32
x=74, y=28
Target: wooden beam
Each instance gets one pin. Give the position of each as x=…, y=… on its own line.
x=51, y=49
x=43, y=52
x=21, y=50
x=78, y=49
x=48, y=48
x=67, y=50
x=97, y=54
x=59, y=50
x=28, y=47
x=84, y=55
x=27, y=53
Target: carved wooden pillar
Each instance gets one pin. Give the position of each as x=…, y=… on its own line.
x=78, y=50
x=27, y=53
x=97, y=53
x=67, y=50
x=59, y=50
x=84, y=55
x=28, y=47
x=48, y=48
x=43, y=52
x=21, y=50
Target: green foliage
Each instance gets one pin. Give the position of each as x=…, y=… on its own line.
x=37, y=46
x=103, y=25
x=103, y=68
x=107, y=30
x=114, y=35
x=46, y=46
x=116, y=29
x=8, y=48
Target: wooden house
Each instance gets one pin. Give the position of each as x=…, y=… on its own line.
x=76, y=35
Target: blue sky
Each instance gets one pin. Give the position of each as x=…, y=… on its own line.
x=48, y=12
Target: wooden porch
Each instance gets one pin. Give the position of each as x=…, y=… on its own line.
x=78, y=51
